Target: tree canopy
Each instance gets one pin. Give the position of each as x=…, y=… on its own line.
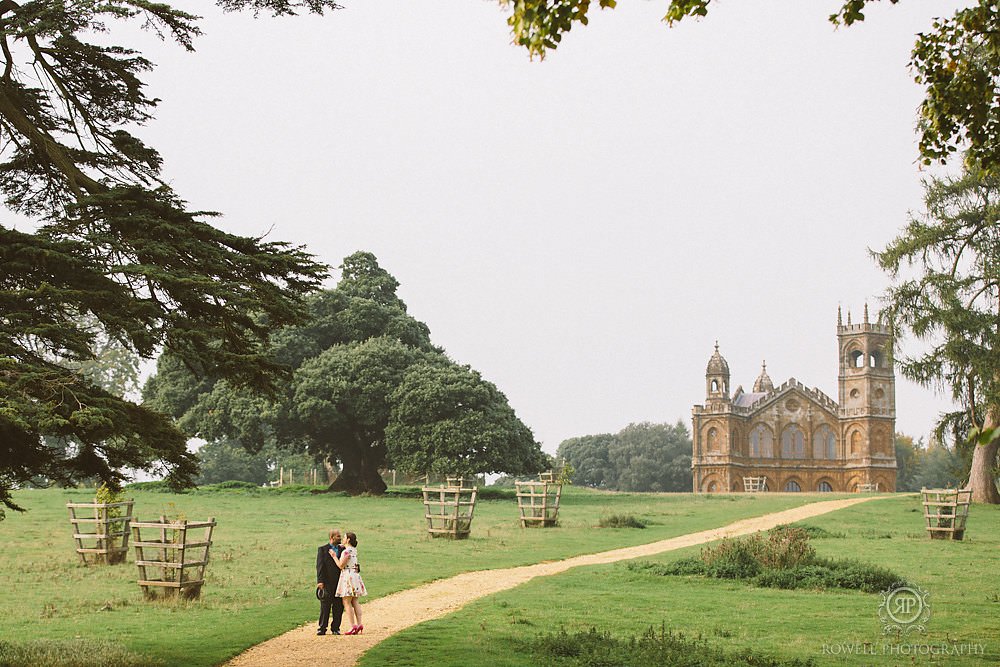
x=946, y=291
x=955, y=60
x=113, y=253
x=640, y=457
x=369, y=390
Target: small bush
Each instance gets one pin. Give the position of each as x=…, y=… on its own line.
x=781, y=558
x=157, y=485
x=621, y=521
x=816, y=532
x=682, y=566
x=653, y=649
x=734, y=559
x=232, y=484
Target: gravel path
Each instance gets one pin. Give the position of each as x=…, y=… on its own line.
x=388, y=615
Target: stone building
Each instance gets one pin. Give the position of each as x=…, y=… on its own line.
x=799, y=438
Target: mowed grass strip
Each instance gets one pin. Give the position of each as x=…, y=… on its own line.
x=829, y=627
x=259, y=581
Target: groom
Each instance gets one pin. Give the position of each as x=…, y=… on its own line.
x=327, y=576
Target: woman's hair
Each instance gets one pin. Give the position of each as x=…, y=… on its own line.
x=352, y=539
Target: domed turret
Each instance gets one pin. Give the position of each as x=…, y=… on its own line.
x=763, y=383
x=717, y=365
x=717, y=377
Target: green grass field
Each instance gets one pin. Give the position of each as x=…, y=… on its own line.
x=830, y=627
x=260, y=579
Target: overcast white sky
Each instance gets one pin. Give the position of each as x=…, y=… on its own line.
x=581, y=230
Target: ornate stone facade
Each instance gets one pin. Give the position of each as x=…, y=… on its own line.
x=797, y=437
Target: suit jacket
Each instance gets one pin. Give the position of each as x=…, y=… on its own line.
x=327, y=571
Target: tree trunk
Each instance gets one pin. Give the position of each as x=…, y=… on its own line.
x=359, y=475
x=982, y=477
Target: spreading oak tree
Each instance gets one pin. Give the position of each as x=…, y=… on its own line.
x=368, y=390
x=946, y=266
x=110, y=251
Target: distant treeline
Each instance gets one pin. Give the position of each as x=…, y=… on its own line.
x=640, y=457
x=934, y=466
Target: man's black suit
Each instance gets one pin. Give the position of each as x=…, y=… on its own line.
x=328, y=574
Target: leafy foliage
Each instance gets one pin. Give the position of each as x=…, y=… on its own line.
x=446, y=419
x=652, y=649
x=956, y=61
x=222, y=461
x=115, y=255
x=781, y=558
x=369, y=389
x=946, y=291
x=640, y=457
x=933, y=466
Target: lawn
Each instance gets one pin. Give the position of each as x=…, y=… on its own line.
x=259, y=582
x=829, y=627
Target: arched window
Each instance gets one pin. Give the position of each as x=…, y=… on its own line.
x=793, y=443
x=824, y=487
x=712, y=487
x=857, y=358
x=715, y=385
x=824, y=443
x=792, y=485
x=875, y=359
x=761, y=442
x=713, y=439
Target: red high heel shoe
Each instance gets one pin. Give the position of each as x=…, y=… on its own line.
x=354, y=630
x=361, y=629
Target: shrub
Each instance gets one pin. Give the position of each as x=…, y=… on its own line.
x=816, y=532
x=157, y=485
x=621, y=521
x=786, y=547
x=682, y=566
x=653, y=649
x=232, y=484
x=781, y=558
x=734, y=559
x=857, y=575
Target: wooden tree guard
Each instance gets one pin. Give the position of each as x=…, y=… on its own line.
x=538, y=502
x=449, y=510
x=868, y=488
x=754, y=484
x=945, y=512
x=106, y=531
x=178, y=562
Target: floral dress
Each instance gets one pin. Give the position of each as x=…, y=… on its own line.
x=350, y=584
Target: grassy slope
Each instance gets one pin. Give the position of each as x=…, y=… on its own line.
x=260, y=579
x=961, y=577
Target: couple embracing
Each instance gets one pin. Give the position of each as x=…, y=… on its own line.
x=339, y=584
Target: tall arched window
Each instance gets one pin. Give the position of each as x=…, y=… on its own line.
x=793, y=443
x=792, y=485
x=857, y=358
x=761, y=442
x=824, y=487
x=824, y=443
x=713, y=439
